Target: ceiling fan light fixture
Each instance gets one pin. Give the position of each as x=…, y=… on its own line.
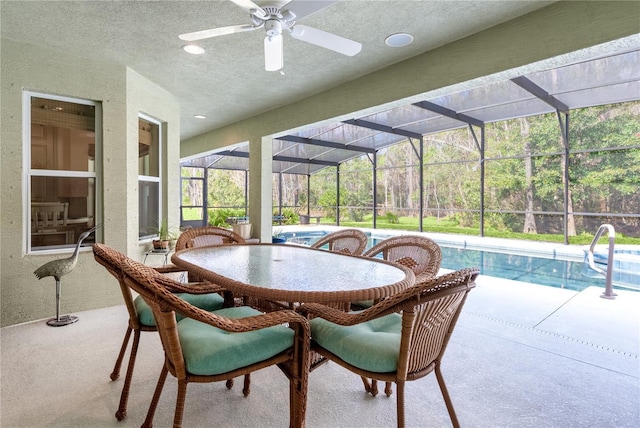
x=273, y=53
x=193, y=49
x=399, y=40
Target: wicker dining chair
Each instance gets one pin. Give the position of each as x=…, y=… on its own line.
x=419, y=253
x=206, y=236
x=346, y=241
x=199, y=348
x=400, y=339
x=203, y=295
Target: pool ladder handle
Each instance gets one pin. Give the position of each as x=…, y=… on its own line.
x=608, y=291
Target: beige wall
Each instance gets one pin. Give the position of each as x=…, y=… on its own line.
x=521, y=45
x=123, y=93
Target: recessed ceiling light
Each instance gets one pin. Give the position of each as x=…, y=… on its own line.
x=399, y=40
x=200, y=116
x=193, y=49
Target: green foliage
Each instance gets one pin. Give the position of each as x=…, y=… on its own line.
x=392, y=218
x=166, y=232
x=226, y=188
x=191, y=213
x=290, y=216
x=525, y=172
x=218, y=217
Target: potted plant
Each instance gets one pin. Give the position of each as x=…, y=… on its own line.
x=165, y=236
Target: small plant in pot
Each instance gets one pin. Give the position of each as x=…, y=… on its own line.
x=165, y=237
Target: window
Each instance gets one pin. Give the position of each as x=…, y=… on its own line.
x=60, y=162
x=149, y=177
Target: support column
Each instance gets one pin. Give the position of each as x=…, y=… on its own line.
x=421, y=174
x=375, y=188
x=309, y=194
x=338, y=195
x=260, y=187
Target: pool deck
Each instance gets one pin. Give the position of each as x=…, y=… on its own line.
x=522, y=355
x=572, y=356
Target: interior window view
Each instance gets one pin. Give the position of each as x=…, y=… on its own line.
x=149, y=162
x=62, y=176
x=333, y=213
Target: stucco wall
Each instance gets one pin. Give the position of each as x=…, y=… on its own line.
x=122, y=93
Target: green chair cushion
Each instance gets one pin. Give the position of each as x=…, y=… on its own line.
x=209, y=302
x=209, y=350
x=373, y=345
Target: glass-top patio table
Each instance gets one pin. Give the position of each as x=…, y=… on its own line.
x=291, y=273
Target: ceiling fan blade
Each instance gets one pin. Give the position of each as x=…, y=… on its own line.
x=250, y=7
x=302, y=8
x=326, y=40
x=214, y=32
x=273, y=53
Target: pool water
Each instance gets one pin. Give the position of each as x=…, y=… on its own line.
x=557, y=273
x=626, y=264
x=536, y=270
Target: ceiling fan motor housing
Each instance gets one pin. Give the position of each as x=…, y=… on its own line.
x=273, y=27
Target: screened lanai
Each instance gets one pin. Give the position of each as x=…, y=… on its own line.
x=601, y=81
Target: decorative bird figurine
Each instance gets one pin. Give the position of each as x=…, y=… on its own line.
x=57, y=269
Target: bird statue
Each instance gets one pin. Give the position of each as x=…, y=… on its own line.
x=57, y=269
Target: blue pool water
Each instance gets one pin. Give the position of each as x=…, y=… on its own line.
x=626, y=264
x=572, y=275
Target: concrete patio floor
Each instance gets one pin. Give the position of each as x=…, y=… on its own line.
x=522, y=355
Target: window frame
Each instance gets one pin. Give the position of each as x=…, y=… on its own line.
x=29, y=173
x=152, y=179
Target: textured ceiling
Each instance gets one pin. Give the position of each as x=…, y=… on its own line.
x=228, y=83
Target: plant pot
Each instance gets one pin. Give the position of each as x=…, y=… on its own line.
x=242, y=229
x=160, y=244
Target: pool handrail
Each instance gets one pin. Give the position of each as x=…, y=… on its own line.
x=608, y=292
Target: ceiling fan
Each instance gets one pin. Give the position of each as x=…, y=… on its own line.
x=275, y=19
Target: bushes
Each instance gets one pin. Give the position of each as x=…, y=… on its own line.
x=219, y=217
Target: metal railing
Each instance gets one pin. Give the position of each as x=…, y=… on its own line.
x=608, y=292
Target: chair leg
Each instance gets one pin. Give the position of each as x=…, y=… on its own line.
x=447, y=398
x=400, y=404
x=298, y=400
x=182, y=396
x=229, y=383
x=247, y=384
x=387, y=389
x=116, y=369
x=148, y=422
x=367, y=385
x=374, y=387
x=121, y=413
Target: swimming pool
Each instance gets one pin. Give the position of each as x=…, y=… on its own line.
x=501, y=263
x=626, y=264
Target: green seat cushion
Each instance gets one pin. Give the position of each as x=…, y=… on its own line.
x=209, y=350
x=209, y=302
x=373, y=345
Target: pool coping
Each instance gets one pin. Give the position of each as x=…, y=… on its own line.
x=549, y=250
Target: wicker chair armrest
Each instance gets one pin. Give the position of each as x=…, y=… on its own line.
x=337, y=316
x=405, y=299
x=240, y=325
x=235, y=325
x=171, y=268
x=190, y=287
x=423, y=277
